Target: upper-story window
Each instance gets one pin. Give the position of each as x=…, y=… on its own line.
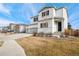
x=35, y=19
x=45, y=13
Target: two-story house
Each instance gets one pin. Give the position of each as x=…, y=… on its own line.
x=18, y=28
x=49, y=20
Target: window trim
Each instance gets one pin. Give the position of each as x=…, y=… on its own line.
x=46, y=13
x=35, y=19
x=44, y=25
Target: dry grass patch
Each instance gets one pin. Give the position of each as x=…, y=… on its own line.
x=1, y=43
x=40, y=46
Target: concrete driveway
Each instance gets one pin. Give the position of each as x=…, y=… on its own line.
x=10, y=46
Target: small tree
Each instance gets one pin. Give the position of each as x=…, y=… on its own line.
x=69, y=26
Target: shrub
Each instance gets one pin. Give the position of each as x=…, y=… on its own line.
x=34, y=34
x=41, y=34
x=49, y=34
x=66, y=32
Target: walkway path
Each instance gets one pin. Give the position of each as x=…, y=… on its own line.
x=10, y=46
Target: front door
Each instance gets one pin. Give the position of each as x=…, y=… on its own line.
x=59, y=26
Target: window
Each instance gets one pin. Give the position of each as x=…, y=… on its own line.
x=44, y=25
x=41, y=25
x=45, y=13
x=35, y=19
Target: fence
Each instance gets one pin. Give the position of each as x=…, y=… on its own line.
x=71, y=32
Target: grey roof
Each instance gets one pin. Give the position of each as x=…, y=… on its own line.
x=45, y=8
x=50, y=7
x=34, y=16
x=18, y=24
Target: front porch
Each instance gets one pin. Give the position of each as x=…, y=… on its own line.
x=59, y=24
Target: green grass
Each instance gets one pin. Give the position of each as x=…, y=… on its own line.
x=39, y=46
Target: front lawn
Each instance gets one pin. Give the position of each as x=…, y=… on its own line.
x=45, y=46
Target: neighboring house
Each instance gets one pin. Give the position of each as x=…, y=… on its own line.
x=5, y=29
x=18, y=28
x=12, y=27
x=49, y=20
x=1, y=29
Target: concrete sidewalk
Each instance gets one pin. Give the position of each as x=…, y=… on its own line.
x=10, y=47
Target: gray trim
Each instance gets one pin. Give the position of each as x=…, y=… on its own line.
x=58, y=18
x=45, y=8
x=17, y=24
x=33, y=24
x=45, y=19
x=60, y=8
x=34, y=16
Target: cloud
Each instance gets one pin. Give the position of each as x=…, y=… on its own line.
x=74, y=19
x=30, y=7
x=3, y=9
x=74, y=16
x=5, y=22
x=33, y=8
x=34, y=11
x=28, y=10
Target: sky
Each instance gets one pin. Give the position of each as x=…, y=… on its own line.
x=22, y=12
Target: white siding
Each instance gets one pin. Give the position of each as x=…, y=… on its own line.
x=65, y=18
x=45, y=30
x=12, y=26
x=51, y=14
x=22, y=28
x=52, y=25
x=59, y=13
x=32, y=28
x=62, y=13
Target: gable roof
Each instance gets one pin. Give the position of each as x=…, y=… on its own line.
x=18, y=24
x=34, y=16
x=50, y=7
x=45, y=8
